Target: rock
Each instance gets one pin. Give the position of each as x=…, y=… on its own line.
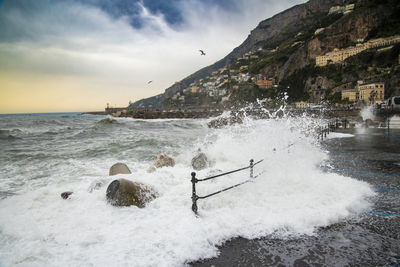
x=225, y=121
x=116, y=114
x=66, y=195
x=218, y=123
x=123, y=192
x=151, y=169
x=200, y=161
x=163, y=160
x=119, y=168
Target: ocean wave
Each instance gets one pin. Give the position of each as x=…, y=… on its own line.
x=9, y=134
x=5, y=194
x=290, y=196
x=107, y=120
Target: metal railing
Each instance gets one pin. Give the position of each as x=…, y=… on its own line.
x=331, y=127
x=322, y=133
x=194, y=180
x=392, y=124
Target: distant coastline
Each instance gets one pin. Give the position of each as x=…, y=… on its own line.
x=39, y=114
x=194, y=113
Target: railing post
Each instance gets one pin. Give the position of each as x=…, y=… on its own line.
x=194, y=196
x=251, y=167
x=322, y=133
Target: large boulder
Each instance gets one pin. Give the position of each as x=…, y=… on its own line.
x=200, y=161
x=163, y=160
x=123, y=192
x=225, y=121
x=119, y=168
x=66, y=195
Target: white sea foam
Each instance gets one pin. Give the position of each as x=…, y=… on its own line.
x=291, y=196
x=338, y=135
x=367, y=113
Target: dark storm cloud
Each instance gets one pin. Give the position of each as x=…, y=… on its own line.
x=129, y=41
x=16, y=16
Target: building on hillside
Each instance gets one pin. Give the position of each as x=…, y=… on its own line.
x=371, y=92
x=264, y=83
x=221, y=92
x=336, y=9
x=341, y=9
x=244, y=67
x=339, y=55
x=301, y=104
x=195, y=89
x=243, y=77
x=383, y=41
x=348, y=8
x=350, y=95
x=319, y=30
x=217, y=92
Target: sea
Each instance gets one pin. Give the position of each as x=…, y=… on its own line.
x=299, y=188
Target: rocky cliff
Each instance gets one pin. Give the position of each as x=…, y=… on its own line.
x=288, y=41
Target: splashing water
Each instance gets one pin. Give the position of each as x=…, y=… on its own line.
x=291, y=196
x=367, y=112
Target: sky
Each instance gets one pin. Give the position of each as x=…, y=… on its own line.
x=79, y=55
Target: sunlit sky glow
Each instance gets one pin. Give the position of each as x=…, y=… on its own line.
x=78, y=55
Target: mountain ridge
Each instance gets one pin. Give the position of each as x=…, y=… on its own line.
x=292, y=33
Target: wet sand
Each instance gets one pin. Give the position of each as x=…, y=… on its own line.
x=372, y=155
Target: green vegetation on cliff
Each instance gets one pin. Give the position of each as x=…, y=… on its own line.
x=389, y=24
x=283, y=49
x=371, y=66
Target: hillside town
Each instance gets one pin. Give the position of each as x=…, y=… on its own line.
x=222, y=83
x=257, y=74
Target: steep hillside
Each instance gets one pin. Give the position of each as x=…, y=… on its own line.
x=281, y=48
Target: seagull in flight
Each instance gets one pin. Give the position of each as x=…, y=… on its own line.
x=202, y=52
x=149, y=82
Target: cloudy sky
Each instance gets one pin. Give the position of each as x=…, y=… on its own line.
x=79, y=55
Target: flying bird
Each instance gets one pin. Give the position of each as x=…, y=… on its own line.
x=149, y=82
x=202, y=52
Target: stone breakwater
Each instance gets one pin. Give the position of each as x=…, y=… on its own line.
x=193, y=113
x=159, y=113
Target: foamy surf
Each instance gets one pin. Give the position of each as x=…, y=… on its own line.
x=291, y=196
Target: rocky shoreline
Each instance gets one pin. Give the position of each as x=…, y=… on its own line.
x=155, y=113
